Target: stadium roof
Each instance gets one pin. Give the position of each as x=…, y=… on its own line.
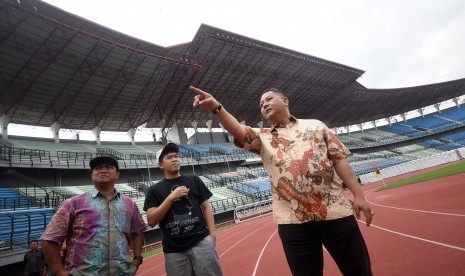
x=59, y=67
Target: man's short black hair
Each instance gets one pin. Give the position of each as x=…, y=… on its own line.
x=168, y=148
x=275, y=90
x=103, y=159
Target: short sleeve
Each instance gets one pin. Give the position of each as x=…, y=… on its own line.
x=252, y=141
x=151, y=199
x=336, y=149
x=204, y=192
x=57, y=229
x=137, y=224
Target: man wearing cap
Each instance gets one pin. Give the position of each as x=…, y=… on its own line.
x=180, y=204
x=100, y=228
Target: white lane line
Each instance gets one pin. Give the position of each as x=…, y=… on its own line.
x=226, y=236
x=416, y=238
x=234, y=233
x=244, y=239
x=261, y=253
x=415, y=210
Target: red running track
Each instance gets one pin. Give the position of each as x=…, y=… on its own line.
x=417, y=230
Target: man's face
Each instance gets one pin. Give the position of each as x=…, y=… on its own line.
x=170, y=162
x=104, y=174
x=33, y=245
x=272, y=105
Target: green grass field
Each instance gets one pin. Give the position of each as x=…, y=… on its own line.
x=453, y=169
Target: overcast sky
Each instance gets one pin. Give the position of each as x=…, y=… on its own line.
x=397, y=43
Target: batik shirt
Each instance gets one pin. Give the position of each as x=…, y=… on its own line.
x=97, y=232
x=300, y=160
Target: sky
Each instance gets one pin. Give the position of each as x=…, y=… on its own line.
x=398, y=43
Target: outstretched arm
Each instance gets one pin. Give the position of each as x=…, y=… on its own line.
x=347, y=175
x=207, y=102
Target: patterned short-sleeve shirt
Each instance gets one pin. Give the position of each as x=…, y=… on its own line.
x=299, y=159
x=98, y=233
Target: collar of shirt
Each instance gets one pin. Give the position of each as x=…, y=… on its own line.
x=94, y=193
x=292, y=121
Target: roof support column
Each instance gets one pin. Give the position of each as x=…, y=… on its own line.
x=338, y=130
x=194, y=124
x=4, y=121
x=404, y=116
x=347, y=128
x=228, y=137
x=55, y=128
x=457, y=102
x=163, y=131
x=96, y=131
x=131, y=134
x=374, y=124
x=421, y=111
x=389, y=120
x=209, y=123
x=177, y=134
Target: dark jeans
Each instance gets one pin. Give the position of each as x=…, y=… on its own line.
x=302, y=245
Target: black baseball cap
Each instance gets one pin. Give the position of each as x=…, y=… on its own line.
x=168, y=148
x=103, y=159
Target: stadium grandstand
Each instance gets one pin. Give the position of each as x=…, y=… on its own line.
x=67, y=74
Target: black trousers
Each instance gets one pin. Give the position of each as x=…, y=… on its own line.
x=342, y=238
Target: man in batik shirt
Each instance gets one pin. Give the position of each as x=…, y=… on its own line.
x=307, y=165
x=100, y=227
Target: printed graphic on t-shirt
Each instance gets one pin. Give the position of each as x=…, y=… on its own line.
x=182, y=213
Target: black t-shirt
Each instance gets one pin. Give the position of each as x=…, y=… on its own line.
x=184, y=224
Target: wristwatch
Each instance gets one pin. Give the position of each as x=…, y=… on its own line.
x=139, y=258
x=216, y=110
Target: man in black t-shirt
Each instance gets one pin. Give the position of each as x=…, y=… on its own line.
x=180, y=205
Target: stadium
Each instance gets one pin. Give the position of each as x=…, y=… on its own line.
x=67, y=74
